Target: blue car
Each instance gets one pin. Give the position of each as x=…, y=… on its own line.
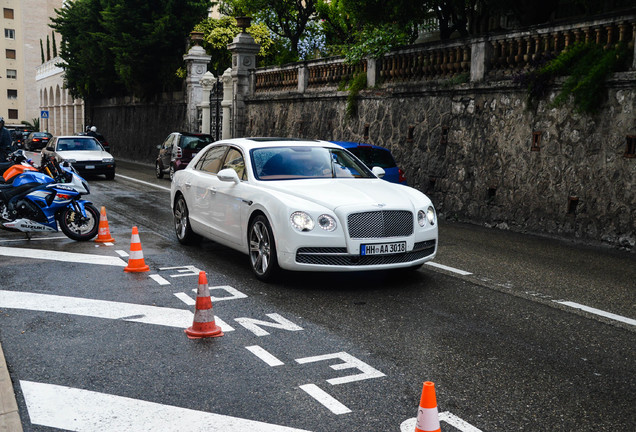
x=373, y=155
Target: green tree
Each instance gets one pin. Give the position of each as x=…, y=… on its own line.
x=218, y=33
x=48, y=48
x=287, y=19
x=115, y=47
x=54, y=45
x=42, y=51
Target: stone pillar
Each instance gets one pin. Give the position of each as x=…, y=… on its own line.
x=244, y=51
x=207, y=82
x=479, y=59
x=373, y=73
x=226, y=104
x=196, y=65
x=303, y=78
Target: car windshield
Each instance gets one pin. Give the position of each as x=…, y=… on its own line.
x=73, y=144
x=296, y=162
x=372, y=156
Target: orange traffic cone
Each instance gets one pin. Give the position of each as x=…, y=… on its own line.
x=203, y=325
x=427, y=416
x=103, y=233
x=136, y=261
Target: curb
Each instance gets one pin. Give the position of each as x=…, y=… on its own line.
x=9, y=415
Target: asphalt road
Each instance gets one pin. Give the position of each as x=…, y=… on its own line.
x=504, y=329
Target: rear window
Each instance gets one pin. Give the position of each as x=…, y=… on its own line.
x=195, y=142
x=374, y=157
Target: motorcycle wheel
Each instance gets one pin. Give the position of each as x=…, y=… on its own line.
x=79, y=228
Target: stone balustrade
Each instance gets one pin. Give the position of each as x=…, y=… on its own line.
x=486, y=57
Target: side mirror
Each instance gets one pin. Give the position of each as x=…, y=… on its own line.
x=228, y=175
x=379, y=172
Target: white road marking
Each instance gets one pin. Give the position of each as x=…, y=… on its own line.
x=446, y=417
x=253, y=325
x=32, y=239
x=79, y=410
x=159, y=279
x=185, y=298
x=97, y=308
x=122, y=253
x=62, y=256
x=143, y=182
x=234, y=293
x=598, y=312
x=184, y=270
x=447, y=268
x=325, y=398
x=350, y=362
x=262, y=354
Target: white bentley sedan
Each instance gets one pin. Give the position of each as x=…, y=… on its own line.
x=301, y=205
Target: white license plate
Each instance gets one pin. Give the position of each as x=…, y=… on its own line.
x=383, y=248
x=90, y=167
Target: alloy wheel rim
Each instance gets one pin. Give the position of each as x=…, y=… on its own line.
x=260, y=247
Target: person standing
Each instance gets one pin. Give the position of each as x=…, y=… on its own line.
x=5, y=141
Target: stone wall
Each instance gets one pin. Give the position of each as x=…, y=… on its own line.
x=134, y=128
x=470, y=148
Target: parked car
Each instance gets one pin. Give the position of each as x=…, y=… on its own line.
x=85, y=153
x=301, y=205
x=37, y=141
x=373, y=155
x=99, y=137
x=177, y=150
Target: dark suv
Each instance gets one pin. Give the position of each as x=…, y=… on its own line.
x=178, y=150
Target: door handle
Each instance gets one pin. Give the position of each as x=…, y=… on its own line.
x=212, y=190
x=188, y=184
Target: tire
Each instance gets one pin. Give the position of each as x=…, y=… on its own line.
x=182, y=227
x=77, y=228
x=262, y=249
x=171, y=172
x=158, y=170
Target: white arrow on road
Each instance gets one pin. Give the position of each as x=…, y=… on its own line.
x=80, y=410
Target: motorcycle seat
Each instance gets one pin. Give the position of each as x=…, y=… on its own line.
x=9, y=191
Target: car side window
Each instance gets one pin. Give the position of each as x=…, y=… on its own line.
x=211, y=161
x=234, y=160
x=168, y=142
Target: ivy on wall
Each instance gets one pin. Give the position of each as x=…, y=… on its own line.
x=587, y=67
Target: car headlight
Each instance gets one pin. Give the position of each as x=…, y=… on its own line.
x=108, y=160
x=426, y=216
x=326, y=222
x=301, y=221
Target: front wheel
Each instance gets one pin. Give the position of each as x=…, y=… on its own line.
x=158, y=170
x=76, y=226
x=262, y=249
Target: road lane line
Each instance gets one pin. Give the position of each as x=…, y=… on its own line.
x=185, y=298
x=159, y=279
x=262, y=354
x=598, y=312
x=325, y=398
x=447, y=268
x=62, y=256
x=143, y=182
x=97, y=308
x=73, y=409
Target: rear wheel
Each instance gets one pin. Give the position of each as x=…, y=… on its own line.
x=76, y=226
x=158, y=170
x=182, y=228
x=171, y=172
x=262, y=252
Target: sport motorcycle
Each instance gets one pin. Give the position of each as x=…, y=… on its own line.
x=37, y=201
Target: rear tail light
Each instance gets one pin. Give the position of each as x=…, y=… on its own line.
x=36, y=139
x=179, y=154
x=402, y=177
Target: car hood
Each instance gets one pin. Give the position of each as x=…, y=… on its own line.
x=84, y=155
x=351, y=192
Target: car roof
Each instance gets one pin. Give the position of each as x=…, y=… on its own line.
x=352, y=144
x=264, y=142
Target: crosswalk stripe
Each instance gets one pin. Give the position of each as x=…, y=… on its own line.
x=81, y=410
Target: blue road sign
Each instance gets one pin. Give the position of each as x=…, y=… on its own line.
x=44, y=114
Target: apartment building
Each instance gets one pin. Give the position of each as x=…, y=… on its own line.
x=24, y=23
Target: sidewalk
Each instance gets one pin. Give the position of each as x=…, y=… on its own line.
x=9, y=416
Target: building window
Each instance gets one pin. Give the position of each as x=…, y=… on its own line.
x=9, y=33
x=8, y=13
x=13, y=114
x=10, y=54
x=12, y=74
x=630, y=149
x=12, y=94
